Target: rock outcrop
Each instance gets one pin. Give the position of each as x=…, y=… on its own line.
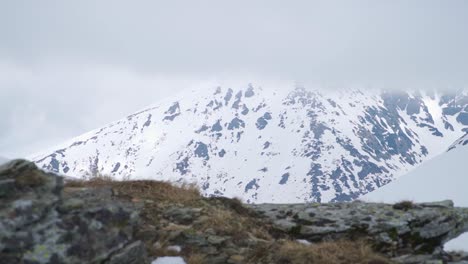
x=399, y=229
x=41, y=224
x=44, y=221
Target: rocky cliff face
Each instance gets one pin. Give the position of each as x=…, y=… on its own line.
x=101, y=221
x=250, y=142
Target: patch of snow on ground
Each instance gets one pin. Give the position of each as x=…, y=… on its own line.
x=303, y=241
x=169, y=260
x=174, y=248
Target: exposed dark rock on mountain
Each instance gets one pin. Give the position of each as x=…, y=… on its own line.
x=459, y=142
x=103, y=221
x=334, y=145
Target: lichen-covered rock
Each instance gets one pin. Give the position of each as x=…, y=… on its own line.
x=39, y=223
x=395, y=230
x=110, y=222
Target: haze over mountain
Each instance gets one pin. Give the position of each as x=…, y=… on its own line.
x=3, y=160
x=76, y=66
x=253, y=142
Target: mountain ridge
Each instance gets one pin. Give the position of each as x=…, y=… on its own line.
x=462, y=141
x=312, y=145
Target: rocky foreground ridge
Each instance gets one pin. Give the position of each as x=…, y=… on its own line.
x=44, y=220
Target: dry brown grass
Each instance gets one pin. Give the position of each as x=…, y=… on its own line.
x=404, y=205
x=329, y=253
x=224, y=222
x=230, y=223
x=337, y=252
x=196, y=259
x=226, y=217
x=97, y=181
x=160, y=191
x=232, y=204
x=143, y=189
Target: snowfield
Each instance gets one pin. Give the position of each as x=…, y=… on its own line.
x=443, y=177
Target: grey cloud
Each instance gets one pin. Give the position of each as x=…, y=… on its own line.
x=330, y=41
x=70, y=66
x=41, y=107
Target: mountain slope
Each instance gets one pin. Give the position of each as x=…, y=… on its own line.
x=444, y=177
x=459, y=142
x=257, y=143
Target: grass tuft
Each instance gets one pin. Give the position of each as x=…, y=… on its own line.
x=336, y=252
x=196, y=259
x=404, y=205
x=143, y=189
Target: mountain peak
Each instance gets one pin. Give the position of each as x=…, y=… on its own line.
x=252, y=142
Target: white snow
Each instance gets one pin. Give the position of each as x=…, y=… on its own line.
x=169, y=260
x=175, y=248
x=148, y=145
x=303, y=241
x=443, y=177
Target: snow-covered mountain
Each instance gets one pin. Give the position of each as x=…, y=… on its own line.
x=267, y=145
x=443, y=177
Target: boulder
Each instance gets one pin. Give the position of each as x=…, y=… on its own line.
x=396, y=230
x=39, y=223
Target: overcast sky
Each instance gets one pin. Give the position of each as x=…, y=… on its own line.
x=70, y=66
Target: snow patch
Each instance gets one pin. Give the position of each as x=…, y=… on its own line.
x=168, y=260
